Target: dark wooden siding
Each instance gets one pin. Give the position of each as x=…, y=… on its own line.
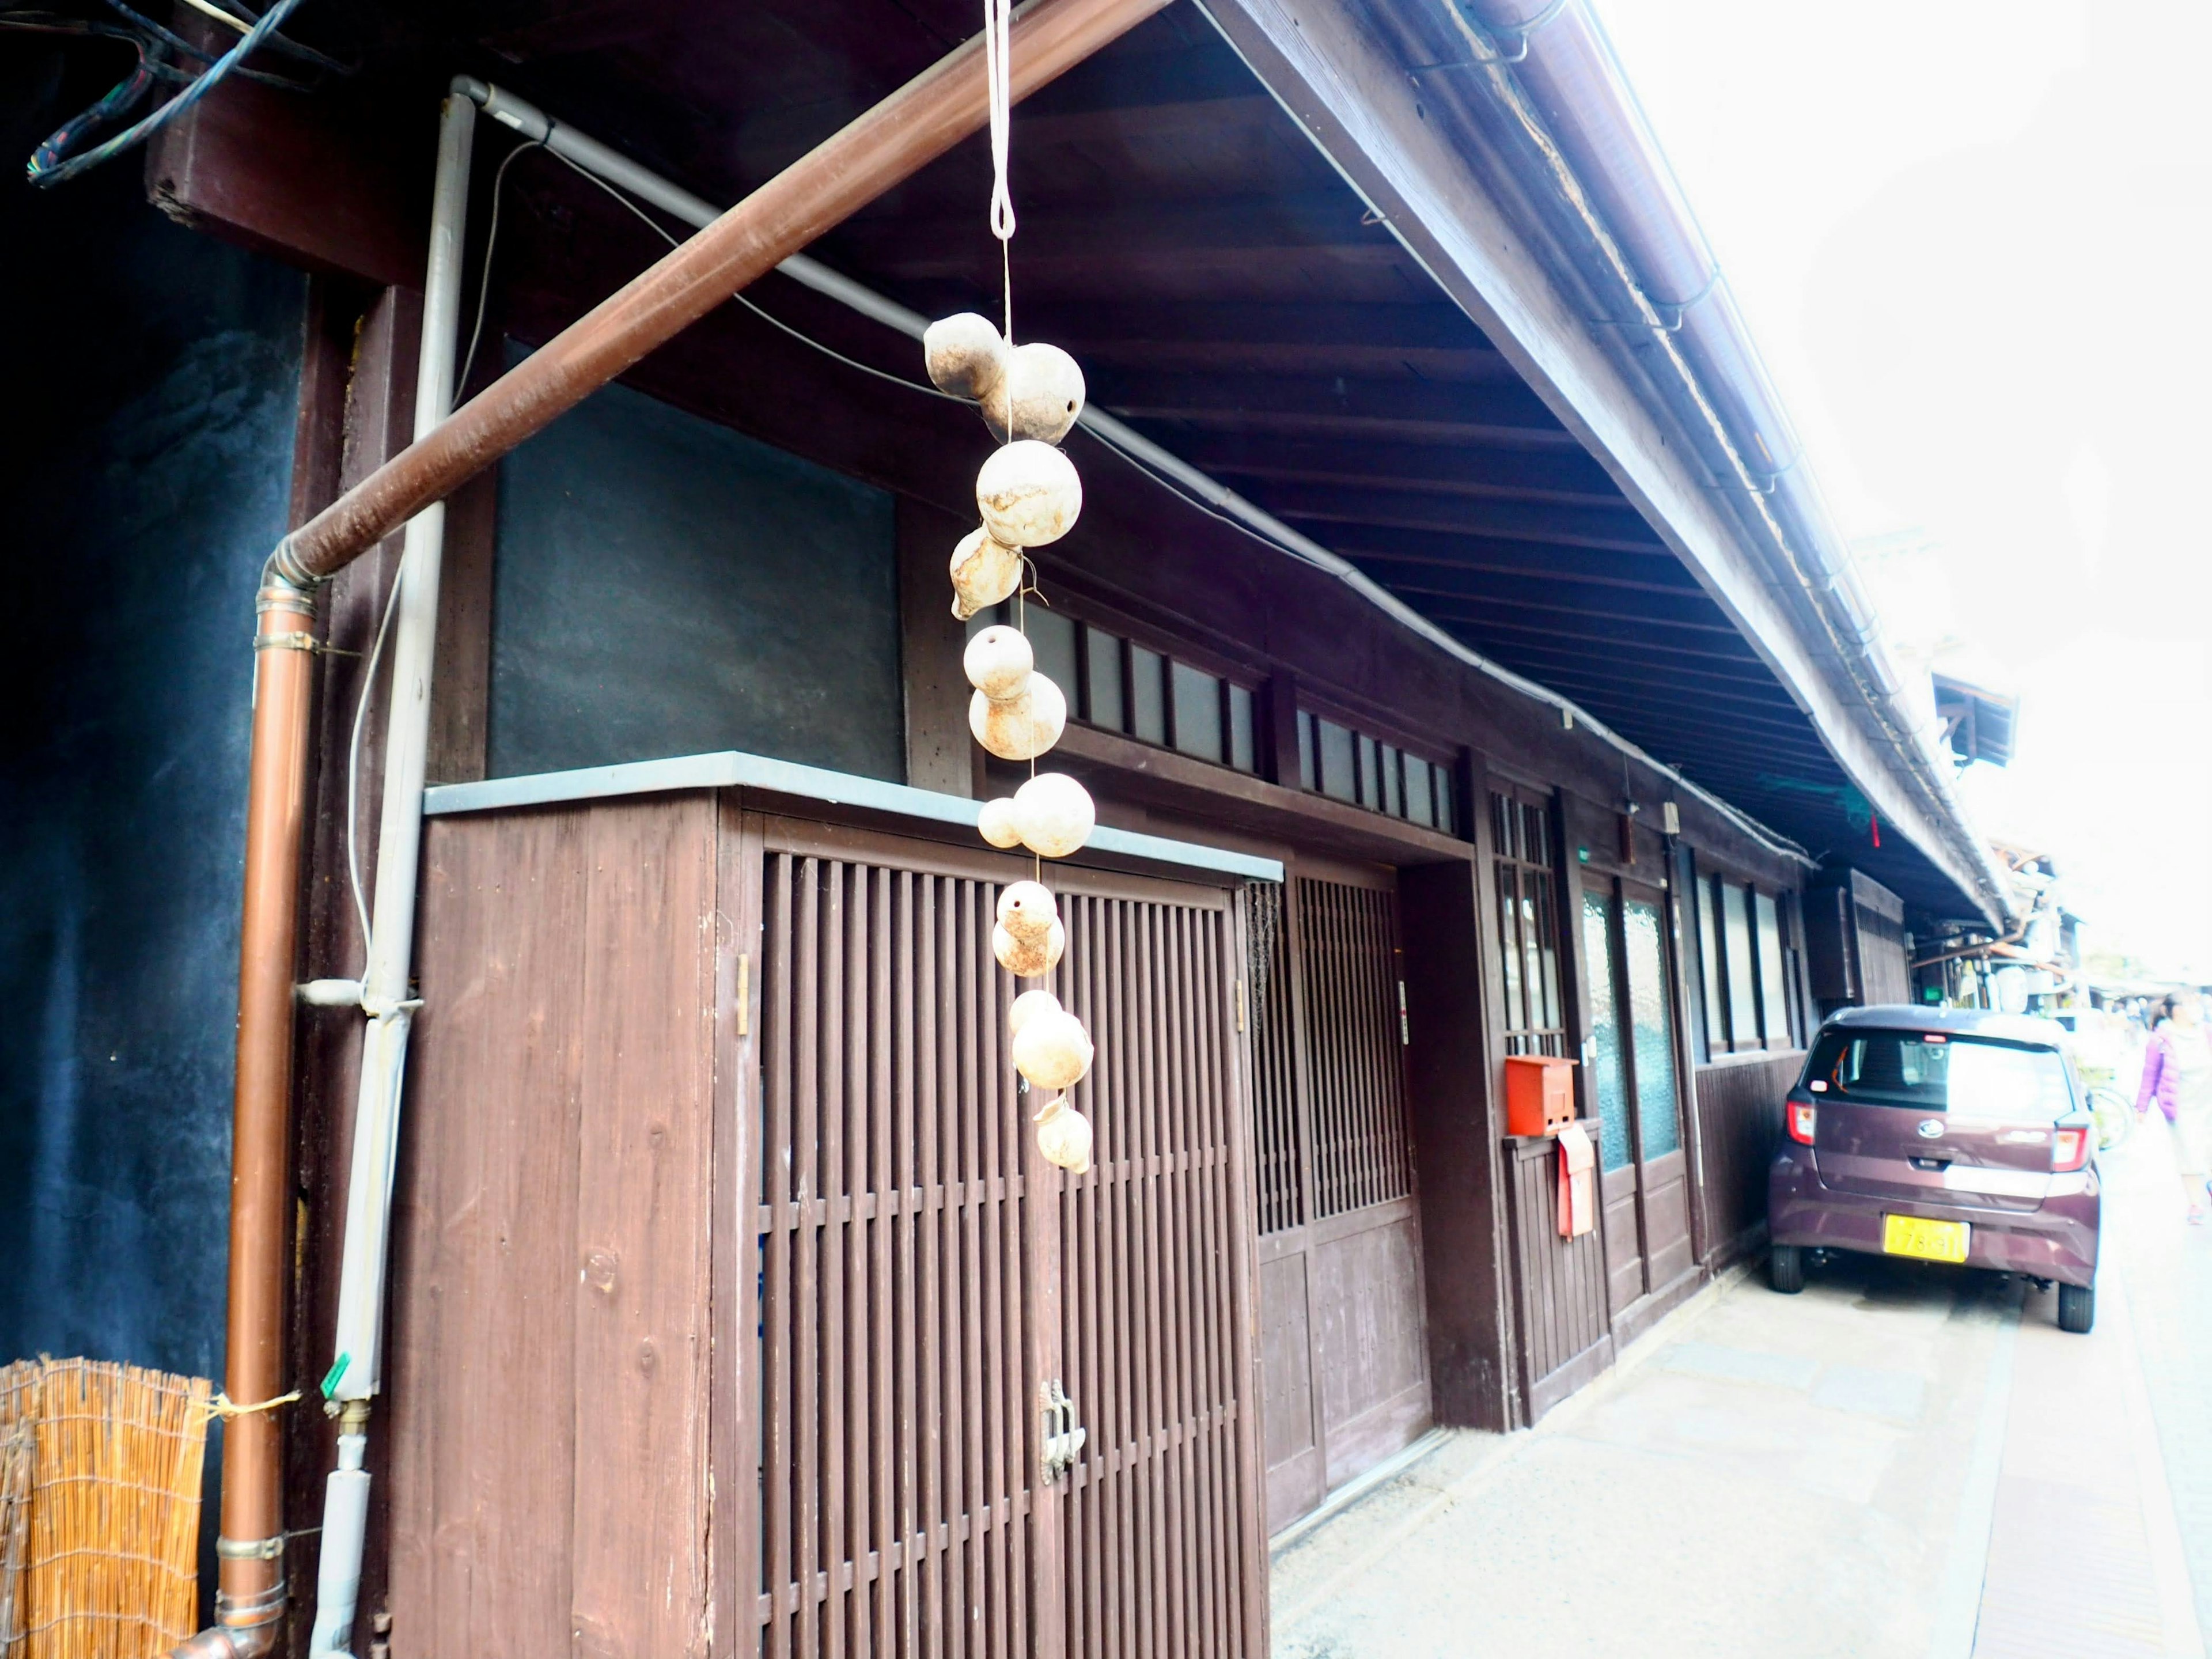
x=1738, y=1106
x=547, y=1375
x=1559, y=1285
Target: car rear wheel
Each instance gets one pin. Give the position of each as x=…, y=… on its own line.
x=1786, y=1269
x=2077, y=1308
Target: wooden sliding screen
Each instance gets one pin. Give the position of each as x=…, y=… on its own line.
x=728, y=1283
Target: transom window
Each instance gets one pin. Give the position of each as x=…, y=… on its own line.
x=1349, y=765
x=1527, y=923
x=1120, y=685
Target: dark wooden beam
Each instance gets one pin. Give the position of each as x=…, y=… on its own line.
x=1408, y=553
x=1620, y=530
x=1449, y=592
x=1558, y=475
x=1401, y=402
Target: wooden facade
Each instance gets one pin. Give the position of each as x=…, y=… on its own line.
x=732, y=1307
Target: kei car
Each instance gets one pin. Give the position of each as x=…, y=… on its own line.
x=1944, y=1135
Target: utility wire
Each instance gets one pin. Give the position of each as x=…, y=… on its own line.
x=47, y=167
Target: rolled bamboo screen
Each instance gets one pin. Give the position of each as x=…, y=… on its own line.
x=100, y=1508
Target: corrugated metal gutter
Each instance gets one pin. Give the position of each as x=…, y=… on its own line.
x=1551, y=66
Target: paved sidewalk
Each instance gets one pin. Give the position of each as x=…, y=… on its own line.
x=1898, y=1459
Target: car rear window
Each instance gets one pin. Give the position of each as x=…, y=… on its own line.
x=1967, y=1076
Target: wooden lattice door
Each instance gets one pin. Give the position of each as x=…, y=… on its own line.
x=1344, y=1348
x=923, y=1278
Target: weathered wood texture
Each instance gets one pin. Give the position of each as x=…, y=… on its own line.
x=1163, y=1540
x=1739, y=1105
x=1157, y=1543
x=547, y=1383
x=1559, y=1285
x=1344, y=1359
x=897, y=1430
x=1454, y=1147
x=939, y=750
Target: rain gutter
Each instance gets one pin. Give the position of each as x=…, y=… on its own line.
x=1551, y=63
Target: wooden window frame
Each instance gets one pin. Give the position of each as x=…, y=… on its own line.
x=1721, y=1014
x=1515, y=1038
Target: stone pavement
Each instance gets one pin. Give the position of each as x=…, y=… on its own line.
x=1904, y=1461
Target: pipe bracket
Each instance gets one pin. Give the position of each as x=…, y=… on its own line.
x=250, y=1549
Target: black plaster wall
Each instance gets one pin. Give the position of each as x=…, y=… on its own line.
x=149, y=389
x=666, y=586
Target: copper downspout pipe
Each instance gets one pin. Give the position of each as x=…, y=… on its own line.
x=880, y=149
x=250, y=1592
x=891, y=142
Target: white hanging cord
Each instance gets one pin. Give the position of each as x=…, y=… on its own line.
x=998, y=44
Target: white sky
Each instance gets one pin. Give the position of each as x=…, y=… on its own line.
x=1972, y=241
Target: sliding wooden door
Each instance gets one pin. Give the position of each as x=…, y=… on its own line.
x=940, y=1312
x=1343, y=1341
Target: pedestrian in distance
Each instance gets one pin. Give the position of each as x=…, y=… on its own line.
x=2177, y=1074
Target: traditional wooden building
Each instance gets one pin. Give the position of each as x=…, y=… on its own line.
x=1455, y=648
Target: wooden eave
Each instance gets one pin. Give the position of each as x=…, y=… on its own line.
x=1398, y=370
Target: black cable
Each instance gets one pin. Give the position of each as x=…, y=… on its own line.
x=47, y=169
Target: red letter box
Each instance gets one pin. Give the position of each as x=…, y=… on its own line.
x=1540, y=1094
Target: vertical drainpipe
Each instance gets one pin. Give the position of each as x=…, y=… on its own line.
x=249, y=1602
x=387, y=997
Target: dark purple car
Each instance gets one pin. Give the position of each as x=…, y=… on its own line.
x=1945, y=1136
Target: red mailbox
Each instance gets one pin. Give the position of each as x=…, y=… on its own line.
x=1540, y=1094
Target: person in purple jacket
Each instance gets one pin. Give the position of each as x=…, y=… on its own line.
x=2177, y=1074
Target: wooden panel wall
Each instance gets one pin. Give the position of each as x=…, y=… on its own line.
x=547, y=1376
x=1372, y=1356
x=1560, y=1286
x=1739, y=1107
x=1456, y=1147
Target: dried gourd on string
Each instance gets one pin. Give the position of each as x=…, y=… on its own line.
x=1027, y=495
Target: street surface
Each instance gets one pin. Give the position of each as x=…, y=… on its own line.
x=1905, y=1461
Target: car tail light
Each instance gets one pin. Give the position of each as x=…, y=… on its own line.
x=2069, y=1146
x=1802, y=1114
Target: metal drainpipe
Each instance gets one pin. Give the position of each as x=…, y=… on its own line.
x=250, y=1593
x=356, y=1367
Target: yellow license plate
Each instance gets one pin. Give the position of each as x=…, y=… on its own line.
x=1931, y=1240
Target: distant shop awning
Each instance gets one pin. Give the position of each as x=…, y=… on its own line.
x=1977, y=723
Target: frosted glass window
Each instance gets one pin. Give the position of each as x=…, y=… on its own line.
x=1371, y=793
x=1393, y=801
x=1773, y=998
x=1148, y=695
x=1517, y=1016
x=1609, y=1083
x=1242, y=747
x=1736, y=929
x=1445, y=820
x=1335, y=744
x=1651, y=1022
x=1417, y=794
x=1308, y=774
x=1197, y=712
x=1102, y=665
x=1052, y=637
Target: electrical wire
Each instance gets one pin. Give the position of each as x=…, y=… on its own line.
x=47, y=168
x=491, y=245
x=770, y=318
x=353, y=764
x=283, y=43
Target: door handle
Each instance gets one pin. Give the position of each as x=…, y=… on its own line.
x=1063, y=1435
x=1933, y=1163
